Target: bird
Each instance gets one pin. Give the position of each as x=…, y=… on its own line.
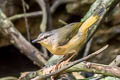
x=68, y=39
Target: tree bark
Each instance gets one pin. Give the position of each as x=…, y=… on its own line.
x=15, y=37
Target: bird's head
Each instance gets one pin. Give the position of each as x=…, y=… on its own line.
x=42, y=38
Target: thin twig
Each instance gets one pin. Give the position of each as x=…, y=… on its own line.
x=49, y=14
x=72, y=64
x=26, y=21
x=31, y=14
x=87, y=48
x=63, y=22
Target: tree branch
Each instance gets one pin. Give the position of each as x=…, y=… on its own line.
x=26, y=21
x=39, y=74
x=14, y=36
x=106, y=70
x=115, y=62
x=96, y=68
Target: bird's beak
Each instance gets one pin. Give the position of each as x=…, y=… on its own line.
x=35, y=41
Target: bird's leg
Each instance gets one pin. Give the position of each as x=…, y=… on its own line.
x=70, y=57
x=57, y=66
x=66, y=61
x=62, y=62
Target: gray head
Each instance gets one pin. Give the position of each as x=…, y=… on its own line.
x=42, y=36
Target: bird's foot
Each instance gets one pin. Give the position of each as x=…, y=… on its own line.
x=54, y=68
